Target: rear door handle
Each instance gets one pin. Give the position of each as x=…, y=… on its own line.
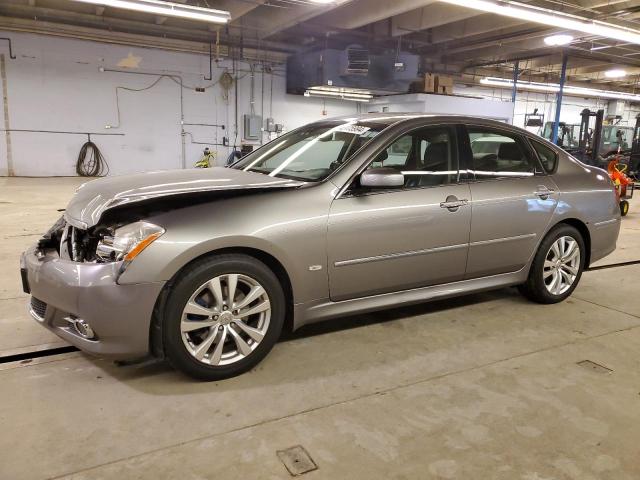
x=544, y=192
x=452, y=203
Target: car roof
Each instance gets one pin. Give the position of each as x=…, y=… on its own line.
x=387, y=119
x=390, y=118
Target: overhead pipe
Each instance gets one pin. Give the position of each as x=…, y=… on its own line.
x=11, y=55
x=210, y=63
x=180, y=82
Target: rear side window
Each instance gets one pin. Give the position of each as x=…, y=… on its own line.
x=499, y=154
x=547, y=156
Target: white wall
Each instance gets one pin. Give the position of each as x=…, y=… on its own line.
x=526, y=102
x=55, y=84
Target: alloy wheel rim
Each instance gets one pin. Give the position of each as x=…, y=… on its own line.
x=225, y=319
x=561, y=265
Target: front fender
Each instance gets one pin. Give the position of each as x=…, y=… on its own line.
x=290, y=226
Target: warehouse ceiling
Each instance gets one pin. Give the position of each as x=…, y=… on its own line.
x=449, y=38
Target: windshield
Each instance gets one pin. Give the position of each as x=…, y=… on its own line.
x=311, y=153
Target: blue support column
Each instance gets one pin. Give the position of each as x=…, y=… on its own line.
x=516, y=74
x=563, y=77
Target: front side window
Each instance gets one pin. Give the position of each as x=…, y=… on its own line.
x=499, y=154
x=426, y=157
x=311, y=153
x=547, y=156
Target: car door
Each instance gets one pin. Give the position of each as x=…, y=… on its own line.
x=385, y=240
x=513, y=200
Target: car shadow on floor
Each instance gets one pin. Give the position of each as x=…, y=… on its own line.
x=393, y=314
x=159, y=378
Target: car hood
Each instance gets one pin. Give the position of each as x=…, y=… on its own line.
x=93, y=198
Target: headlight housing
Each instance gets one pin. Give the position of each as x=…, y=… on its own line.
x=128, y=242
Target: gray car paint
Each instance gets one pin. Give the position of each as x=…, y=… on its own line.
x=338, y=251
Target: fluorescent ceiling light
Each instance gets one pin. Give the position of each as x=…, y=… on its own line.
x=552, y=18
x=347, y=90
x=615, y=73
x=556, y=40
x=355, y=97
x=167, y=9
x=354, y=94
x=554, y=88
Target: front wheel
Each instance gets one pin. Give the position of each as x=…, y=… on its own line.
x=557, y=266
x=223, y=315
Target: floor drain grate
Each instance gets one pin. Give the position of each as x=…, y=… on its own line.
x=596, y=367
x=297, y=460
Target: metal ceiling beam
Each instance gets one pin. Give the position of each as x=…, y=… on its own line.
x=530, y=39
x=473, y=79
x=130, y=39
x=267, y=22
x=238, y=9
x=111, y=24
x=425, y=18
x=549, y=61
x=488, y=23
x=364, y=12
x=478, y=25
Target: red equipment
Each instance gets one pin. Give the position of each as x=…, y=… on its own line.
x=624, y=185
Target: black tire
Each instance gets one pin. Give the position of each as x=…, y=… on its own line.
x=624, y=208
x=534, y=288
x=188, y=282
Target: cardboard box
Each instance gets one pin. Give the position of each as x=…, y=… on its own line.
x=430, y=83
x=444, y=84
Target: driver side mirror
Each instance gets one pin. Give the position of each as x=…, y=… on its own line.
x=383, y=177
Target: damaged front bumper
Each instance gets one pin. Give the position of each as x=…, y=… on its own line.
x=68, y=297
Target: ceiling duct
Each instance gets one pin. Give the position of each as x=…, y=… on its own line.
x=351, y=69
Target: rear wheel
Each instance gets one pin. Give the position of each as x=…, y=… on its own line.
x=223, y=316
x=557, y=266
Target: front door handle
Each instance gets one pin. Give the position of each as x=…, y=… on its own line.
x=543, y=192
x=452, y=203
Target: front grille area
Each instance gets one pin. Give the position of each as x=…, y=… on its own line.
x=38, y=307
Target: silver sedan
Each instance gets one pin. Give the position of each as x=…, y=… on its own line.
x=207, y=267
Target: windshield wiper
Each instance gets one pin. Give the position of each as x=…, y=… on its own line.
x=264, y=171
x=292, y=177
x=279, y=175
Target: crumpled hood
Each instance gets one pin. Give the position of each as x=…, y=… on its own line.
x=93, y=198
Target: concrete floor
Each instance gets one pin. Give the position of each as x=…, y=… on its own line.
x=486, y=386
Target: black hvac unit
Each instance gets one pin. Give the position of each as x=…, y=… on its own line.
x=353, y=67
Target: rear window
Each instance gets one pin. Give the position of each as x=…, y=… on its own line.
x=547, y=156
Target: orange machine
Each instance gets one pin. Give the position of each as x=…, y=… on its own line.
x=624, y=185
